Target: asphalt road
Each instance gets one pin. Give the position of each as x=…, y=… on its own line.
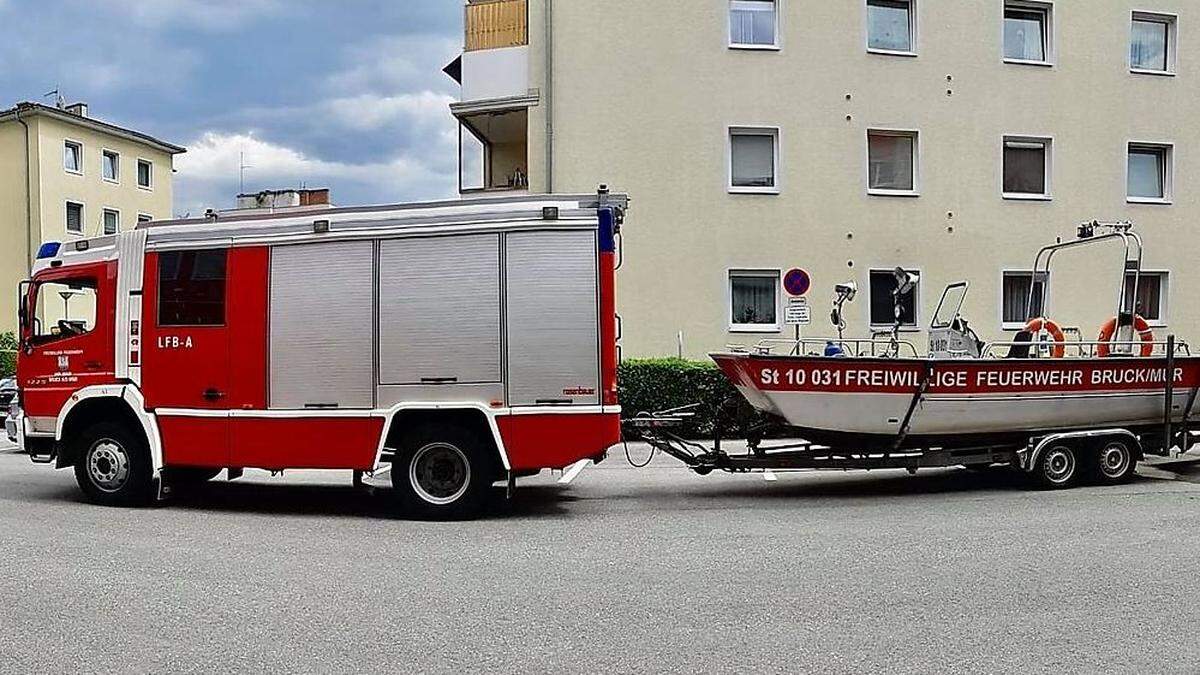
x=623, y=571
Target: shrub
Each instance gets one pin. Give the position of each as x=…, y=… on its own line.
x=8, y=354
x=651, y=385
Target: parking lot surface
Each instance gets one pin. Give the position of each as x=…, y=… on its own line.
x=623, y=570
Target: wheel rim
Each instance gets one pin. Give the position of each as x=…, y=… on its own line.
x=439, y=473
x=1059, y=465
x=108, y=465
x=1115, y=460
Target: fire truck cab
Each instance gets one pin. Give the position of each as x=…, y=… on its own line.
x=451, y=345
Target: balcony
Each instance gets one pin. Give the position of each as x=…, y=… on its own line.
x=496, y=24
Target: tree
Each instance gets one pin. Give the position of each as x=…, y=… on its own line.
x=8, y=354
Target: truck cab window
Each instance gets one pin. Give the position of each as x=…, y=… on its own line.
x=191, y=288
x=65, y=308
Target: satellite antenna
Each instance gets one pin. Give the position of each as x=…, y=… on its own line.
x=59, y=101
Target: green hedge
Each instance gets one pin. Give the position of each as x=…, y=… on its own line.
x=651, y=385
x=8, y=354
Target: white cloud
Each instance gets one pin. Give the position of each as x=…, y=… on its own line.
x=395, y=63
x=210, y=14
x=367, y=112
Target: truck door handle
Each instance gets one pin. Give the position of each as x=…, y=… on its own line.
x=213, y=395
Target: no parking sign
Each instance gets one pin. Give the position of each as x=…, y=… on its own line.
x=796, y=282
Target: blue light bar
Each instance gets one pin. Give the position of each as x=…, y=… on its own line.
x=48, y=250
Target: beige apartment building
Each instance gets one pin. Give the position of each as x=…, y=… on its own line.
x=847, y=138
x=66, y=175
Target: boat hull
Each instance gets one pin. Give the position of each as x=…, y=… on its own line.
x=865, y=401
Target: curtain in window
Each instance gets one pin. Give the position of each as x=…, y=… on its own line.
x=1024, y=35
x=1016, y=297
x=753, y=299
x=888, y=25
x=71, y=157
x=1024, y=168
x=74, y=218
x=1148, y=46
x=891, y=162
x=1149, y=295
x=752, y=22
x=1147, y=173
x=753, y=157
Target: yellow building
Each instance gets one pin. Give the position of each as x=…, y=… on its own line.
x=848, y=138
x=66, y=175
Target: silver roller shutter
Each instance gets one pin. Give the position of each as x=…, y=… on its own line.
x=322, y=325
x=553, y=341
x=439, y=310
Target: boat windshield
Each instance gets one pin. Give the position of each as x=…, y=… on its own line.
x=951, y=303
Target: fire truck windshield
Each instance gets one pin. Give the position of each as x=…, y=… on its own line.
x=63, y=308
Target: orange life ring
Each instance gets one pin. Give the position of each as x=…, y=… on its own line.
x=1041, y=323
x=1110, y=328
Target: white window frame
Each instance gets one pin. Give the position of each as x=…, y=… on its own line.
x=1164, y=296
x=79, y=146
x=1014, y=325
x=745, y=130
x=137, y=174
x=1168, y=169
x=1047, y=142
x=116, y=180
x=912, y=31
x=765, y=272
x=143, y=217
x=915, y=134
x=1172, y=21
x=915, y=326
x=105, y=211
x=1049, y=37
x=773, y=47
x=82, y=217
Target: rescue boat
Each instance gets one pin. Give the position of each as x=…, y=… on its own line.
x=880, y=392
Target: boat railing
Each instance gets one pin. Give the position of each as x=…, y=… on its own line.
x=849, y=346
x=1088, y=349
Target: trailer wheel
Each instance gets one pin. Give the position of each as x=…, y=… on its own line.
x=113, y=466
x=1058, y=467
x=442, y=472
x=1115, y=462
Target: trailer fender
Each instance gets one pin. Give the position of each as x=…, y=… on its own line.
x=1029, y=456
x=489, y=414
x=129, y=397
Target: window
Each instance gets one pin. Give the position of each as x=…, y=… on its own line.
x=191, y=288
x=74, y=220
x=1028, y=32
x=892, y=162
x=145, y=217
x=753, y=159
x=1152, y=44
x=73, y=156
x=111, y=221
x=1015, y=311
x=1151, y=298
x=65, y=308
x=110, y=165
x=891, y=26
x=883, y=309
x=1149, y=179
x=753, y=24
x=1026, y=168
x=145, y=173
x=754, y=301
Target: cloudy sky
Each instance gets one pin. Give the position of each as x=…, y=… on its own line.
x=346, y=94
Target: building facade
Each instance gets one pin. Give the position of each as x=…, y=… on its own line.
x=849, y=138
x=65, y=175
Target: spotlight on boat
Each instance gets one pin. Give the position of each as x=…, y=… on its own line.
x=846, y=291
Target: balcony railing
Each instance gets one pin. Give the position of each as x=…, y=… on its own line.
x=494, y=24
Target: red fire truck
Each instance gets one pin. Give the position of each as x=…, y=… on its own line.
x=452, y=345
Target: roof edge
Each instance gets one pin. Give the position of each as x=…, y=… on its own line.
x=29, y=108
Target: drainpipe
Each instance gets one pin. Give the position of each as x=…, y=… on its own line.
x=28, y=200
x=549, y=95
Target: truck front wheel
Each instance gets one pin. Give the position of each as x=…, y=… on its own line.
x=113, y=466
x=442, y=472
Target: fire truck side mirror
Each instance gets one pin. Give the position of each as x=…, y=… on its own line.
x=23, y=304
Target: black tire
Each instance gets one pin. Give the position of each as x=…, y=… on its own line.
x=1115, y=461
x=442, y=472
x=113, y=466
x=1058, y=467
x=186, y=476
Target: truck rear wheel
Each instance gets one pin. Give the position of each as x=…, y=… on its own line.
x=1057, y=467
x=442, y=472
x=1115, y=461
x=113, y=466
